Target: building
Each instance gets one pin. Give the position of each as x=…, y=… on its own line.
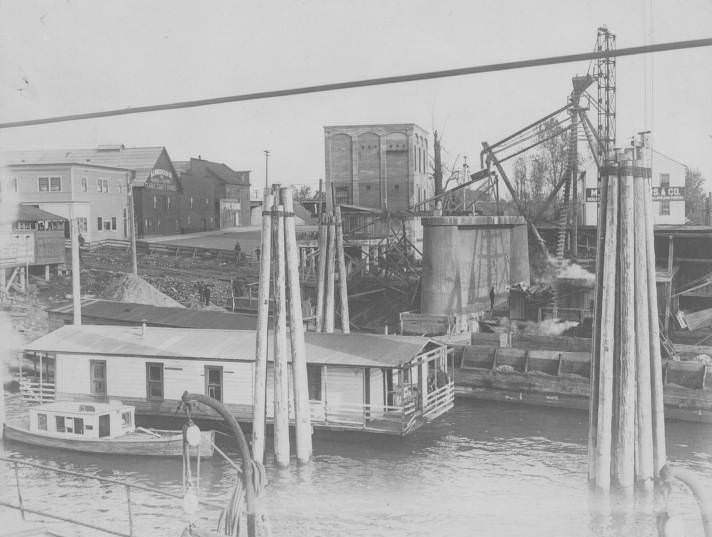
x=668, y=182
x=214, y=195
x=365, y=382
x=378, y=166
x=153, y=179
x=69, y=186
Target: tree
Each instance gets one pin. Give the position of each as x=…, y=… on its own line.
x=303, y=192
x=694, y=196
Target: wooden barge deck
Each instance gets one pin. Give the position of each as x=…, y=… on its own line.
x=555, y=372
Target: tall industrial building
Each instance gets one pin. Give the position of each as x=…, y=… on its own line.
x=378, y=166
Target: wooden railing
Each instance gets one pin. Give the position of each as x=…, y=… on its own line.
x=37, y=392
x=439, y=401
x=373, y=417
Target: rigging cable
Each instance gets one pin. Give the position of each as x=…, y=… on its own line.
x=505, y=66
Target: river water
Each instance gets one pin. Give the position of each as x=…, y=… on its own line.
x=484, y=469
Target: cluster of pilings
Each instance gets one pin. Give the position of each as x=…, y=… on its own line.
x=279, y=242
x=331, y=256
x=627, y=427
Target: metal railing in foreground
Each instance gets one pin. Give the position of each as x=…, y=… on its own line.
x=24, y=510
x=38, y=392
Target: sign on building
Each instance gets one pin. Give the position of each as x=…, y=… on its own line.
x=660, y=193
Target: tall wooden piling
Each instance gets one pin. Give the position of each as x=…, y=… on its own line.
x=260, y=381
x=624, y=451
x=343, y=288
x=321, y=272
x=656, y=365
x=132, y=217
x=644, y=426
x=281, y=376
x=602, y=466
x=76, y=282
x=302, y=413
x=329, y=298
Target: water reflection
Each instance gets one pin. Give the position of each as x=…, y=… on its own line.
x=484, y=469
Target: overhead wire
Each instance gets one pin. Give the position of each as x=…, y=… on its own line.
x=380, y=81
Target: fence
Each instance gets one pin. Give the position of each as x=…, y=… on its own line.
x=37, y=392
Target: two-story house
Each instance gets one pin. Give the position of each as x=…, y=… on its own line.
x=94, y=194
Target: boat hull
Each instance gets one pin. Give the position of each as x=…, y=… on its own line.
x=169, y=444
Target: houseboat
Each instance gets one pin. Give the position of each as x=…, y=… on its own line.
x=104, y=428
x=374, y=383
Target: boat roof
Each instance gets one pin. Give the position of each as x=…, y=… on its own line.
x=367, y=350
x=77, y=407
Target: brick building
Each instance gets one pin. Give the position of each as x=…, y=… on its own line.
x=94, y=194
x=378, y=166
x=214, y=196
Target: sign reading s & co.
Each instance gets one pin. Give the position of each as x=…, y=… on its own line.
x=660, y=193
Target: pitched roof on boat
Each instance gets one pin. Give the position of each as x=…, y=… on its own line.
x=366, y=350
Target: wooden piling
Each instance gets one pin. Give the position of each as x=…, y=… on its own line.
x=329, y=298
x=76, y=282
x=260, y=380
x=281, y=377
x=596, y=336
x=302, y=412
x=343, y=288
x=321, y=273
x=602, y=467
x=644, y=423
x=656, y=365
x=624, y=450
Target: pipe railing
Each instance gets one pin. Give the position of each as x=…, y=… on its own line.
x=24, y=510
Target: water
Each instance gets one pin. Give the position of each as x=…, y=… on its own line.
x=482, y=469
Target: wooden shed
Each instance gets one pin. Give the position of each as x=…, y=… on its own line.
x=384, y=384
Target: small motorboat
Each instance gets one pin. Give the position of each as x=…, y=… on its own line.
x=102, y=428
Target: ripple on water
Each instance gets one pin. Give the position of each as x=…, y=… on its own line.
x=485, y=469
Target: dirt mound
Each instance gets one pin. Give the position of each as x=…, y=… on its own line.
x=132, y=288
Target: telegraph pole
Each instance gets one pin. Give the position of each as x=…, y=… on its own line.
x=266, y=169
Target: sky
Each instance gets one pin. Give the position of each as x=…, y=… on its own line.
x=72, y=56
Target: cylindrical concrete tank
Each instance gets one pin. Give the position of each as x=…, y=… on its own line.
x=466, y=256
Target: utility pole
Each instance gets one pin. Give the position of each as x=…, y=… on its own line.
x=438, y=173
x=266, y=169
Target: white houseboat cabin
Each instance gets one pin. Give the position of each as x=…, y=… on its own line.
x=386, y=384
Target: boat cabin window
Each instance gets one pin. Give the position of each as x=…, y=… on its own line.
x=213, y=380
x=154, y=381
x=41, y=422
x=314, y=382
x=59, y=423
x=98, y=377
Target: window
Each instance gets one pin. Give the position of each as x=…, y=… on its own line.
x=213, y=382
x=107, y=224
x=99, y=225
x=59, y=423
x=78, y=426
x=126, y=420
x=84, y=184
x=168, y=202
x=665, y=207
x=15, y=184
x=664, y=180
x=188, y=219
x=191, y=202
x=113, y=223
x=82, y=224
x=314, y=382
x=154, y=381
x=98, y=377
x=102, y=185
x=41, y=422
x=155, y=202
x=49, y=184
